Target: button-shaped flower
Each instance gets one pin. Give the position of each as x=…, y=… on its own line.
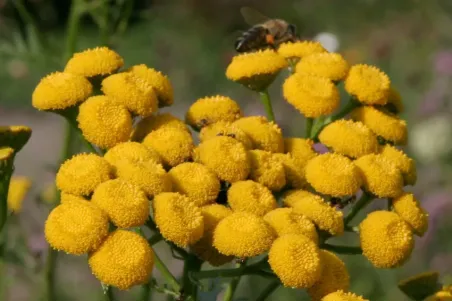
x=250, y=196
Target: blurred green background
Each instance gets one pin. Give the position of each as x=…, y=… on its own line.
x=192, y=42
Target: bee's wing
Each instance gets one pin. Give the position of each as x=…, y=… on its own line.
x=252, y=16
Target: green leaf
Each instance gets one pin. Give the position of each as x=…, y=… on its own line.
x=420, y=286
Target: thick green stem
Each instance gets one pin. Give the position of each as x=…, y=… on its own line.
x=268, y=290
x=145, y=292
x=232, y=286
x=109, y=295
x=167, y=275
x=365, y=199
x=192, y=264
x=342, y=249
x=308, y=128
x=73, y=28
x=265, y=99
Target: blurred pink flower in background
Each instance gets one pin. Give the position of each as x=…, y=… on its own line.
x=443, y=63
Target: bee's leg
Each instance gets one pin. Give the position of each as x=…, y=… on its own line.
x=270, y=40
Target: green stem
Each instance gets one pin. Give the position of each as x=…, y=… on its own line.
x=109, y=294
x=229, y=294
x=365, y=199
x=6, y=171
x=73, y=28
x=145, y=292
x=308, y=128
x=27, y=17
x=170, y=279
x=265, y=99
x=192, y=264
x=50, y=274
x=268, y=290
x=342, y=249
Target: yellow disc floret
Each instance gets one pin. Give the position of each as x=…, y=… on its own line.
x=252, y=197
x=291, y=197
x=267, y=169
x=81, y=174
x=94, y=62
x=154, y=122
x=174, y=145
x=131, y=152
x=76, y=227
x=264, y=135
x=124, y=202
x=179, y=220
x=256, y=70
x=222, y=128
x=300, y=49
x=243, y=234
x=226, y=157
x=312, y=95
x=333, y=174
x=60, y=90
x=104, y=122
x=295, y=259
x=18, y=189
x=386, y=125
x=149, y=176
x=386, y=240
x=334, y=276
x=286, y=221
x=325, y=216
x=161, y=84
x=301, y=150
x=209, y=110
x=124, y=259
x=65, y=198
x=349, y=138
x=196, y=181
x=340, y=295
x=380, y=176
x=295, y=173
x=325, y=64
x=368, y=84
x=131, y=91
x=409, y=209
x=399, y=159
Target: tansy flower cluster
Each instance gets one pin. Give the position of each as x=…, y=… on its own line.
x=245, y=189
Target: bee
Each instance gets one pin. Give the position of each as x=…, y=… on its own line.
x=264, y=33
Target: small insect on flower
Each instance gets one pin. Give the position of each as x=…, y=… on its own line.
x=250, y=196
x=341, y=295
x=98, y=61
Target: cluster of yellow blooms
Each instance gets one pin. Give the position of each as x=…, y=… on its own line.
x=217, y=198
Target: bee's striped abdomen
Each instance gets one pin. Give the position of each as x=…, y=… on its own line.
x=252, y=39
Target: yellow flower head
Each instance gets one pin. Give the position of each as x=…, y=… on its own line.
x=252, y=197
x=399, y=159
x=285, y=221
x=264, y=135
x=325, y=64
x=295, y=259
x=291, y=197
x=295, y=174
x=409, y=209
x=256, y=70
x=174, y=145
x=386, y=125
x=178, y=219
x=124, y=259
x=226, y=157
x=204, y=248
x=154, y=122
x=243, y=234
x=312, y=95
x=394, y=104
x=124, y=202
x=94, y=62
x=325, y=216
x=445, y=294
x=131, y=152
x=301, y=150
x=380, y=176
x=60, y=90
x=6, y=154
x=66, y=198
x=334, y=276
x=333, y=174
x=131, y=91
x=161, y=84
x=340, y=295
x=18, y=189
x=149, y=176
x=267, y=169
x=14, y=136
x=222, y=128
x=300, y=49
x=349, y=138
x=103, y=122
x=209, y=110
x=76, y=227
x=368, y=84
x=81, y=174
x=196, y=181
x=386, y=240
